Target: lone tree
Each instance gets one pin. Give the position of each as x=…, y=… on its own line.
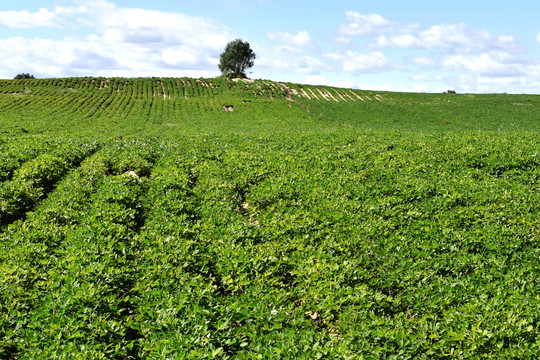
x=24, y=76
x=236, y=58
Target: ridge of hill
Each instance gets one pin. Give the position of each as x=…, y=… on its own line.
x=42, y=105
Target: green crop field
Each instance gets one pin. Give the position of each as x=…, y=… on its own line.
x=205, y=218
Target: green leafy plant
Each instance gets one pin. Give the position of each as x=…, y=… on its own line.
x=141, y=220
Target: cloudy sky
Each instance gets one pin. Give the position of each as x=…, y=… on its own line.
x=416, y=45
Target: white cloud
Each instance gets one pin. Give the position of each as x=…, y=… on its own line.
x=300, y=40
x=460, y=49
x=290, y=63
x=423, y=77
x=354, y=62
x=371, y=25
x=179, y=57
x=310, y=65
x=321, y=80
x=482, y=84
x=124, y=41
x=150, y=27
x=24, y=19
x=133, y=41
x=481, y=64
x=290, y=53
x=462, y=38
x=401, y=88
x=56, y=58
x=364, y=25
x=450, y=49
x=424, y=61
x=401, y=41
x=456, y=38
x=92, y=9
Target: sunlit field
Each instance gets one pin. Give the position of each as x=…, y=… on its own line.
x=207, y=218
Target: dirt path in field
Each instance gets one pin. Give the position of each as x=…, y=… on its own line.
x=163, y=91
x=313, y=94
x=358, y=96
x=310, y=93
x=342, y=97
x=184, y=89
x=305, y=94
x=327, y=94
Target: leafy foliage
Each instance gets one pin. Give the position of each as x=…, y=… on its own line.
x=236, y=59
x=144, y=221
x=24, y=76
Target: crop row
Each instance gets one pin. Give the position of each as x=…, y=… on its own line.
x=18, y=94
x=166, y=88
x=339, y=246
x=125, y=105
x=118, y=107
x=54, y=263
x=33, y=180
x=14, y=153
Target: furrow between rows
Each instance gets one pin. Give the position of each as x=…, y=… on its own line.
x=75, y=245
x=35, y=179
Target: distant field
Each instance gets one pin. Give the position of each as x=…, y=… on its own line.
x=206, y=218
x=97, y=106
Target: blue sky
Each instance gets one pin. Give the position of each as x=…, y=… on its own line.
x=472, y=46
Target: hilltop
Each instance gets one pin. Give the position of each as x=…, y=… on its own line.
x=48, y=105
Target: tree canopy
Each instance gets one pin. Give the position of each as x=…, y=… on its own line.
x=237, y=57
x=24, y=76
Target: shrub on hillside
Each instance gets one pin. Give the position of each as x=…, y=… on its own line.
x=24, y=76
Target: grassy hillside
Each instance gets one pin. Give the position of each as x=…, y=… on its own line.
x=79, y=106
x=205, y=218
